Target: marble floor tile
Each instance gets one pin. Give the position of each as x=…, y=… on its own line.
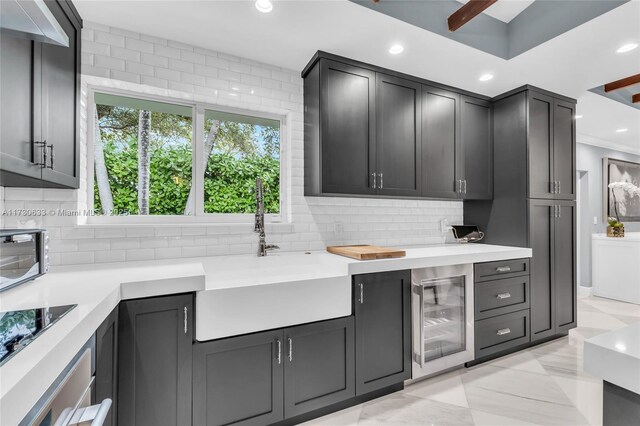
x=585, y=395
x=613, y=307
x=403, y=409
x=521, y=395
x=627, y=319
x=446, y=388
x=599, y=320
x=523, y=361
x=480, y=418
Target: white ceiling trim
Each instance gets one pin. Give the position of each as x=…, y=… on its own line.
x=601, y=143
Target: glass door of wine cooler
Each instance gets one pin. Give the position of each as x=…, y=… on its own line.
x=442, y=311
x=443, y=317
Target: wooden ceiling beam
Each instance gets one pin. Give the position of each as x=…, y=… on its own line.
x=467, y=12
x=636, y=98
x=623, y=82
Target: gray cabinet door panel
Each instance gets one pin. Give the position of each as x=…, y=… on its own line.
x=60, y=67
x=501, y=296
x=440, y=142
x=564, y=146
x=106, y=381
x=564, y=267
x=319, y=365
x=398, y=148
x=501, y=333
x=383, y=329
x=540, y=129
x=347, y=104
x=155, y=361
x=17, y=103
x=239, y=380
x=476, y=148
x=541, y=231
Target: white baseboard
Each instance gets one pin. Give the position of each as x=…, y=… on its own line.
x=585, y=291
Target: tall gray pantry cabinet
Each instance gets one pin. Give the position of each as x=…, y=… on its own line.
x=534, y=200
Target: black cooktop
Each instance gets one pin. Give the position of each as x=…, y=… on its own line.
x=19, y=328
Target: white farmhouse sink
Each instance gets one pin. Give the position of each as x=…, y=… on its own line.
x=245, y=294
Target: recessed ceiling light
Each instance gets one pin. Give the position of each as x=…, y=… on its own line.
x=395, y=49
x=627, y=47
x=621, y=130
x=486, y=77
x=264, y=6
x=578, y=116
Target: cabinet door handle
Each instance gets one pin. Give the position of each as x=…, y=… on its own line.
x=186, y=322
x=503, y=296
x=464, y=188
x=374, y=180
x=503, y=269
x=381, y=182
x=503, y=331
x=290, y=349
x=43, y=147
x=559, y=188
x=559, y=211
x=361, y=293
x=52, y=157
x=279, y=344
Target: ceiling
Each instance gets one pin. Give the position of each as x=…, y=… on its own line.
x=505, y=10
x=569, y=64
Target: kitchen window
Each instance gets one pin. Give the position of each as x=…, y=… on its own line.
x=157, y=160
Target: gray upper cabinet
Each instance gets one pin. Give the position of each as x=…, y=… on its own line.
x=155, y=338
x=476, y=153
x=564, y=149
x=339, y=129
x=440, y=143
x=398, y=147
x=370, y=131
x=551, y=147
x=40, y=107
x=239, y=380
x=382, y=307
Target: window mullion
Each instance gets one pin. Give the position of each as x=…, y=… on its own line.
x=198, y=160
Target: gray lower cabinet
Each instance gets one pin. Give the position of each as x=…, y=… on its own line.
x=155, y=339
x=265, y=377
x=319, y=365
x=239, y=380
x=553, y=281
x=106, y=367
x=382, y=308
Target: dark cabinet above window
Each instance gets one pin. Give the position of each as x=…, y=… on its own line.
x=374, y=132
x=40, y=107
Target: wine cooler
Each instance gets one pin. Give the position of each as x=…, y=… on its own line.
x=442, y=311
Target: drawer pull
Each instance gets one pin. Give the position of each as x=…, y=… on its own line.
x=503, y=331
x=503, y=269
x=503, y=296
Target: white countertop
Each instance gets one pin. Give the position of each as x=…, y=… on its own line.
x=615, y=357
x=97, y=289
x=628, y=237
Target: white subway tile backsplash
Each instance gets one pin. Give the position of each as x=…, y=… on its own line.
x=151, y=64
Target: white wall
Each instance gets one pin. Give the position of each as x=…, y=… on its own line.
x=137, y=62
x=589, y=161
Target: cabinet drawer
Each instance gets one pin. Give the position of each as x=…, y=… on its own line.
x=502, y=332
x=503, y=269
x=501, y=296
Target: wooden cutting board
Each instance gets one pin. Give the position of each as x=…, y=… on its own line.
x=366, y=252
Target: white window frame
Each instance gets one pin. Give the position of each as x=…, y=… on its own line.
x=199, y=216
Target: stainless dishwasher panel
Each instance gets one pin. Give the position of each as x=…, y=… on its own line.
x=442, y=318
